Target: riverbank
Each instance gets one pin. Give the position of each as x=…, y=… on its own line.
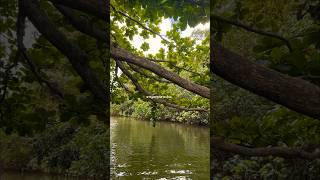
x=63, y=149
x=145, y=111
x=197, y=124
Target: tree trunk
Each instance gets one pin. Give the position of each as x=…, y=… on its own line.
x=294, y=93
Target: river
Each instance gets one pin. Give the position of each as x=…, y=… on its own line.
x=166, y=151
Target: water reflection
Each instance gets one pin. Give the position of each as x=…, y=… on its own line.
x=167, y=151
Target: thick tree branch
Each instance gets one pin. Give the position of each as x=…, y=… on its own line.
x=82, y=24
x=175, y=66
x=140, y=71
x=221, y=144
x=22, y=51
x=294, y=93
x=76, y=56
x=252, y=29
x=96, y=8
x=146, y=93
x=124, y=55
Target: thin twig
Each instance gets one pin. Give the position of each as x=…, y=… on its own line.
x=252, y=29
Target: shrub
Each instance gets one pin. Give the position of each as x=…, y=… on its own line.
x=15, y=151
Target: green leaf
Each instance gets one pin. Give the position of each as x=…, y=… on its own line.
x=145, y=46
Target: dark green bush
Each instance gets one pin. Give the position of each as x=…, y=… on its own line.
x=78, y=150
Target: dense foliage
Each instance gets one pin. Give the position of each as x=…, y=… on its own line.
x=188, y=57
x=63, y=148
x=146, y=111
x=251, y=121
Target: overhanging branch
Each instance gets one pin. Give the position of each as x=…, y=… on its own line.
x=146, y=93
x=140, y=71
x=82, y=24
x=124, y=55
x=175, y=66
x=221, y=144
x=22, y=51
x=294, y=93
x=76, y=56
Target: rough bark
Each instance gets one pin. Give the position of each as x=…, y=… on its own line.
x=294, y=93
x=83, y=25
x=77, y=57
x=140, y=71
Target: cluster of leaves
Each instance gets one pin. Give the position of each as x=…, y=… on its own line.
x=146, y=111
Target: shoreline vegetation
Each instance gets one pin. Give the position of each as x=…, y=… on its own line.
x=163, y=121
x=145, y=111
x=63, y=149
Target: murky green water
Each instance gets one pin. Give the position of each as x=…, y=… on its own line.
x=167, y=151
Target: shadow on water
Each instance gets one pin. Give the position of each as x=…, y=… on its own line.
x=167, y=151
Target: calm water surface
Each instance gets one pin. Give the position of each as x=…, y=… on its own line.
x=167, y=151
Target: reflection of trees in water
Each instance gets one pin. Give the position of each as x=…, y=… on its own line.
x=152, y=146
x=192, y=135
x=162, y=148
